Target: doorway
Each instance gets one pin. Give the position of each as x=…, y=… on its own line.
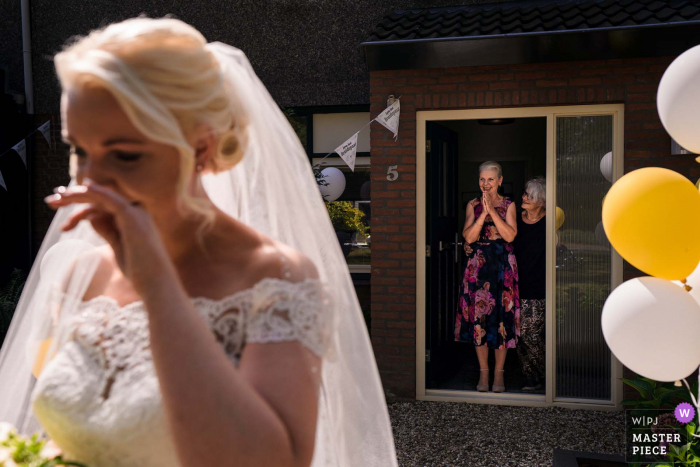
x=567, y=146
x=457, y=149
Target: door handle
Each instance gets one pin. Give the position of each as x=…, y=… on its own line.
x=456, y=244
x=442, y=246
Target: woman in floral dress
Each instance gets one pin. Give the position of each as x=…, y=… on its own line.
x=489, y=305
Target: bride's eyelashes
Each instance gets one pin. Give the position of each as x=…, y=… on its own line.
x=127, y=156
x=122, y=156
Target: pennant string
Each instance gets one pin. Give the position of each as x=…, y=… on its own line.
x=318, y=164
x=30, y=134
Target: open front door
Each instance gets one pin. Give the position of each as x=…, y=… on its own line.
x=444, y=248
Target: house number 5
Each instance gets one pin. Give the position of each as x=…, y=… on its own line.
x=392, y=174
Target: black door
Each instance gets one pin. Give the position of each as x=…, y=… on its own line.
x=444, y=248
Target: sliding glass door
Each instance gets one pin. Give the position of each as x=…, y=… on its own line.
x=584, y=257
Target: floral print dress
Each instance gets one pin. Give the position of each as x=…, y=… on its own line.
x=489, y=304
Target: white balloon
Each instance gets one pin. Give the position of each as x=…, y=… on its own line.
x=336, y=183
x=651, y=326
x=678, y=99
x=600, y=235
x=606, y=167
x=54, y=262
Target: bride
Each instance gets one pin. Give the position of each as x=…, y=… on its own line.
x=189, y=305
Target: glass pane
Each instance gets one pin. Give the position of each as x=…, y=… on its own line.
x=583, y=258
x=351, y=215
x=330, y=130
x=299, y=124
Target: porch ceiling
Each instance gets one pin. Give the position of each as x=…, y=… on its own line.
x=532, y=31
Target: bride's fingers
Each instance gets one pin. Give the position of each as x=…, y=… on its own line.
x=86, y=213
x=93, y=193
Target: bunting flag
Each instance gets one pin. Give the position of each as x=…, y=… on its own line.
x=389, y=118
x=348, y=151
x=46, y=131
x=21, y=149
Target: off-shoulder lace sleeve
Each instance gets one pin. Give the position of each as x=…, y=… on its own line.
x=285, y=311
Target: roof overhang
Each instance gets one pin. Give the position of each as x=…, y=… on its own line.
x=668, y=39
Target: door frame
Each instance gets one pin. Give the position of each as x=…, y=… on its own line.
x=536, y=400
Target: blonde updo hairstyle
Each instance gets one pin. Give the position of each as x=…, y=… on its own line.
x=168, y=83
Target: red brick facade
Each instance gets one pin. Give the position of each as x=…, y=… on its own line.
x=633, y=82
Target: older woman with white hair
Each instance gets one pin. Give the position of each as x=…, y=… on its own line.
x=530, y=251
x=488, y=312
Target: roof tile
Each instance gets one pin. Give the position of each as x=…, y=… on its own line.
x=689, y=12
x=597, y=20
x=530, y=17
x=666, y=13
x=643, y=16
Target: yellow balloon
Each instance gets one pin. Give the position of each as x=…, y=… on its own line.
x=560, y=217
x=40, y=357
x=697, y=184
x=652, y=219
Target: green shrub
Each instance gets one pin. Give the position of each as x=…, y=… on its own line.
x=346, y=217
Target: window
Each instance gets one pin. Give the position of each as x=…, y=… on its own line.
x=300, y=124
x=351, y=213
x=322, y=130
x=332, y=129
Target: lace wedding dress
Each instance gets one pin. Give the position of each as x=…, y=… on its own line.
x=99, y=397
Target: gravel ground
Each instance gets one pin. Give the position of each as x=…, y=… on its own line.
x=458, y=434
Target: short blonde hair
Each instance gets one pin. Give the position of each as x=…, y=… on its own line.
x=167, y=83
x=492, y=165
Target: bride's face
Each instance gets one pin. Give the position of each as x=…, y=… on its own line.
x=111, y=151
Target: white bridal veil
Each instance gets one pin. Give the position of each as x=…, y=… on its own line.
x=273, y=190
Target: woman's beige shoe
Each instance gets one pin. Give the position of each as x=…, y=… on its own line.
x=483, y=387
x=498, y=388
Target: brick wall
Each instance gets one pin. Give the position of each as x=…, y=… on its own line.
x=633, y=82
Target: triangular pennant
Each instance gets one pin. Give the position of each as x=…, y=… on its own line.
x=21, y=149
x=389, y=118
x=348, y=151
x=2, y=182
x=46, y=131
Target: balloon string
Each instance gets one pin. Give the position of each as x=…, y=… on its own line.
x=695, y=402
x=685, y=284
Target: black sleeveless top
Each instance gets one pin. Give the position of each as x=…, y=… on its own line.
x=531, y=253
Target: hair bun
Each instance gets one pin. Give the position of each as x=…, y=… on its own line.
x=230, y=148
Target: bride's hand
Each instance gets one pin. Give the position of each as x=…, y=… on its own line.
x=128, y=228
